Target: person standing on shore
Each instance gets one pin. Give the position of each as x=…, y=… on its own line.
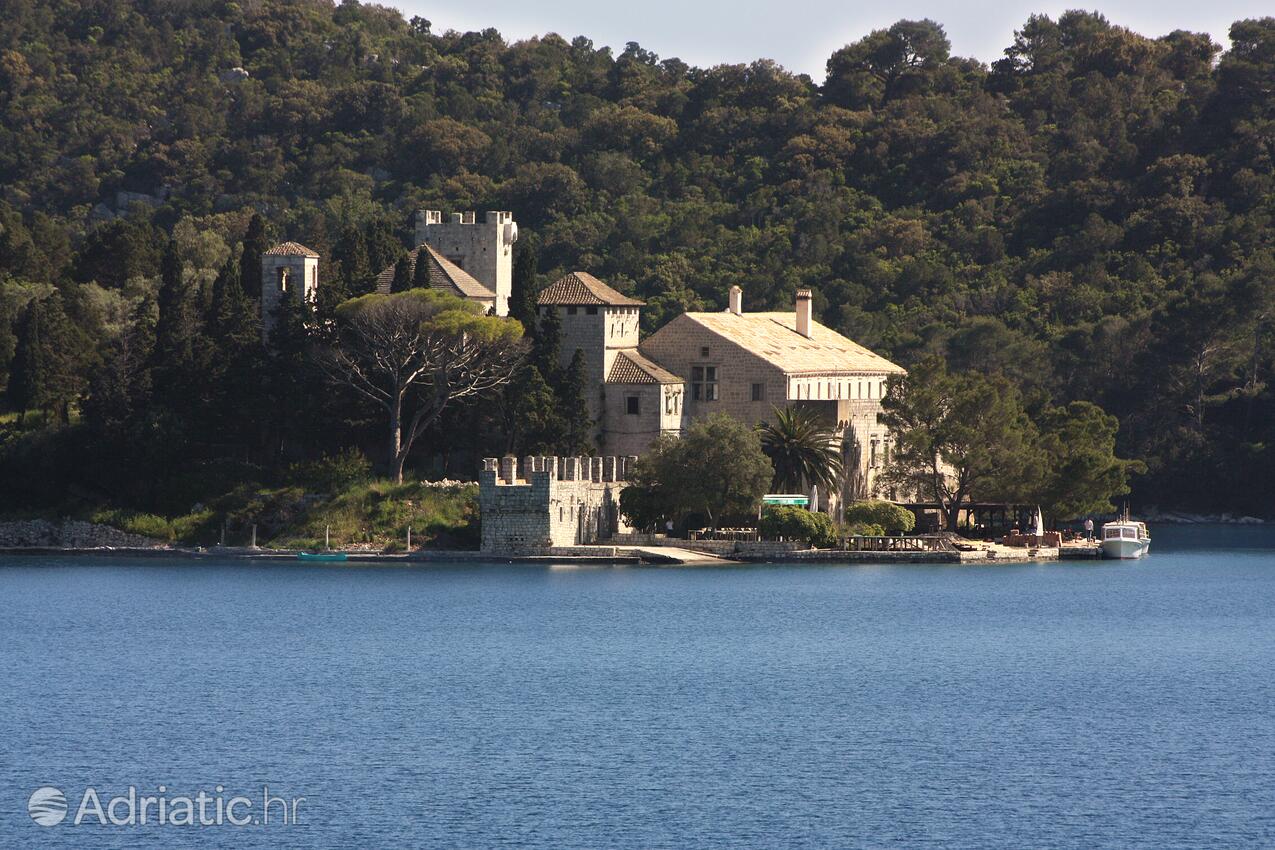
x=1089, y=528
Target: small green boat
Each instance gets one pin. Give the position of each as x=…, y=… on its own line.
x=320, y=556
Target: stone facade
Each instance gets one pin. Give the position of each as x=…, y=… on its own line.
x=547, y=503
x=484, y=249
x=748, y=366
x=287, y=270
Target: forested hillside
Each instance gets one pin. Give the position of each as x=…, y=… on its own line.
x=1090, y=216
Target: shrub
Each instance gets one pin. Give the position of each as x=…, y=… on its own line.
x=199, y=526
x=146, y=525
x=886, y=515
x=793, y=523
x=865, y=529
x=332, y=473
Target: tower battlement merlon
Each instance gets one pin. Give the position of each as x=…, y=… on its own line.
x=509, y=470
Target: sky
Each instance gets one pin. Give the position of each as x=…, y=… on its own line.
x=801, y=34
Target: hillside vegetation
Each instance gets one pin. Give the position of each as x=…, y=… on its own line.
x=1090, y=217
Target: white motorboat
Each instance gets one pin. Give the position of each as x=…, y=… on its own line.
x=1125, y=539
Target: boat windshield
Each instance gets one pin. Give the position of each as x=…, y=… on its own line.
x=1119, y=531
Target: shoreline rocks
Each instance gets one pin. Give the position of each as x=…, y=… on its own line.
x=69, y=534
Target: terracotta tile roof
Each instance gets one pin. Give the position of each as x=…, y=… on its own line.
x=443, y=274
x=290, y=249
x=584, y=288
x=774, y=338
x=630, y=367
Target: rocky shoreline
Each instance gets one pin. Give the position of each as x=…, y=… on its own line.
x=70, y=534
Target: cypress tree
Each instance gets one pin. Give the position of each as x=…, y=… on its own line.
x=356, y=269
x=420, y=273
x=49, y=361
x=175, y=332
x=227, y=277
x=522, y=303
x=25, y=374
x=383, y=246
x=548, y=344
x=67, y=351
x=233, y=375
x=183, y=354
x=8, y=339
x=577, y=427
x=402, y=275
x=255, y=243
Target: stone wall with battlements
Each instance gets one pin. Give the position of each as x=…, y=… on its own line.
x=540, y=503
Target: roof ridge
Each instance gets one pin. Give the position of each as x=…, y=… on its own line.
x=581, y=287
x=288, y=248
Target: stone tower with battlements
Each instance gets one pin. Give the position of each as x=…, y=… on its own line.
x=289, y=269
x=483, y=249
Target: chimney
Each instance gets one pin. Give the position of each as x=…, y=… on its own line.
x=737, y=300
x=803, y=312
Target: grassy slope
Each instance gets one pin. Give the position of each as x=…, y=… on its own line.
x=372, y=515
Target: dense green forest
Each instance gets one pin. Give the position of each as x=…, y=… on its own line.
x=1089, y=217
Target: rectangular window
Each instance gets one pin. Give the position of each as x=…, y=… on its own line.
x=759, y=392
x=631, y=405
x=704, y=383
x=703, y=352
x=592, y=311
x=571, y=311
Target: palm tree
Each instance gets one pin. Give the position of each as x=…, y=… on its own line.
x=802, y=449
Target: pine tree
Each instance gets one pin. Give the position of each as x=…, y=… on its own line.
x=577, y=427
x=402, y=275
x=255, y=243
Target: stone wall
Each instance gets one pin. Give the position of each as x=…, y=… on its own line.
x=68, y=534
x=483, y=249
x=544, y=503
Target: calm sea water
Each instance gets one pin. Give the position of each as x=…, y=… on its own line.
x=1068, y=705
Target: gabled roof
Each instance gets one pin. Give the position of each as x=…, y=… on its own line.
x=630, y=367
x=773, y=337
x=584, y=288
x=443, y=274
x=290, y=249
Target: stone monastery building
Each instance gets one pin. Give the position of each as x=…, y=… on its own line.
x=743, y=364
